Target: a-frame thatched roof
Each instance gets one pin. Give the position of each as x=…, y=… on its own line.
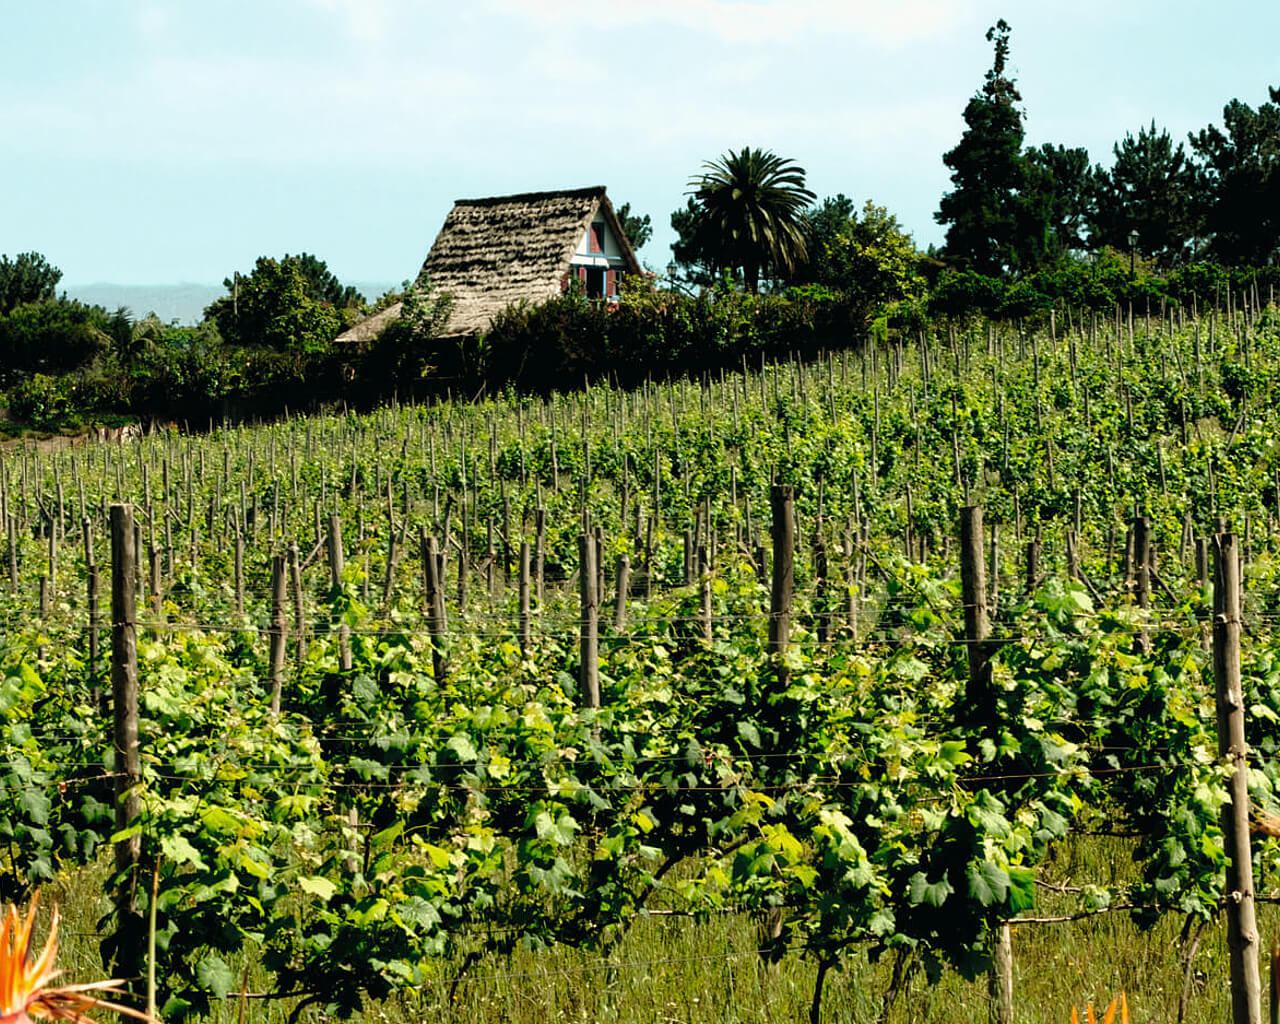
x=494, y=252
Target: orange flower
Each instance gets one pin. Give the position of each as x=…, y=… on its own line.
x=26, y=992
x=1110, y=1015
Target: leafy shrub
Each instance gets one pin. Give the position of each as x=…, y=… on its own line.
x=274, y=308
x=41, y=400
x=966, y=292
x=565, y=340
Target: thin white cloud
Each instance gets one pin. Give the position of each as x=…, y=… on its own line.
x=764, y=22
x=155, y=23
x=365, y=20
x=394, y=101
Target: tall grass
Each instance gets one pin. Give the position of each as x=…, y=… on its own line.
x=673, y=969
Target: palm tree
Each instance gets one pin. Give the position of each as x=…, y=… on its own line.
x=750, y=204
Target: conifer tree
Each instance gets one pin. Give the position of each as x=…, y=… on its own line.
x=987, y=170
x=1149, y=189
x=1242, y=182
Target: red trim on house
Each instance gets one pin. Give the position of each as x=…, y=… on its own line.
x=597, y=238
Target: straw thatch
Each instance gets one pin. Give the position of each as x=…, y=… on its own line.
x=494, y=252
x=371, y=326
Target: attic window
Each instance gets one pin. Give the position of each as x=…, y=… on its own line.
x=597, y=238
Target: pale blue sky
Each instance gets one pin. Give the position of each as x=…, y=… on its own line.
x=156, y=142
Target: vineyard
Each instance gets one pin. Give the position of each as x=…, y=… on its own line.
x=352, y=709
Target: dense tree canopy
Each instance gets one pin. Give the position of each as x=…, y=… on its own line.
x=1242, y=182
x=1150, y=189
x=822, y=225
x=274, y=307
x=1052, y=211
x=322, y=284
x=693, y=255
x=56, y=336
x=868, y=259
x=28, y=277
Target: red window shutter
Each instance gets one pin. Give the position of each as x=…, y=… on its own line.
x=597, y=238
x=611, y=283
x=582, y=276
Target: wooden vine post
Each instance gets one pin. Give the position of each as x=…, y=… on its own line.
x=540, y=554
x=299, y=608
x=337, y=567
x=91, y=583
x=279, y=629
x=783, y=502
x=704, y=592
x=1242, y=926
x=589, y=633
x=124, y=707
x=526, y=586
x=1142, y=573
x=981, y=697
x=622, y=583
x=238, y=558
x=434, y=576
x=977, y=623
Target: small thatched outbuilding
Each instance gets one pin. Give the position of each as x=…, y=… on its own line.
x=494, y=252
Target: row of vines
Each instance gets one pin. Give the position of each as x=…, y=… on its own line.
x=435, y=788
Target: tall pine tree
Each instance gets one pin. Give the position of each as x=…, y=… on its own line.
x=1053, y=204
x=987, y=168
x=1242, y=182
x=1150, y=189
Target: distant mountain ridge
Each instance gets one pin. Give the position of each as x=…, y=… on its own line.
x=184, y=303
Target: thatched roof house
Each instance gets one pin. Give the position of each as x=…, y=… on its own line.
x=494, y=252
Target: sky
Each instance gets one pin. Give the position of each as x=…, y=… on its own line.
x=149, y=142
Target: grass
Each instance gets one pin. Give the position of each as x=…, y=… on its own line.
x=676, y=970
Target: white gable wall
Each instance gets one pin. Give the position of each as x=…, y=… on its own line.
x=599, y=272
x=612, y=250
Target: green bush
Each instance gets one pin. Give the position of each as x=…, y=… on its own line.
x=42, y=401
x=654, y=333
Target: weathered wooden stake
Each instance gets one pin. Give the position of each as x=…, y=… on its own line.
x=589, y=632
x=337, y=566
x=1142, y=561
x=1242, y=927
x=389, y=580
x=704, y=592
x=977, y=623
x=1142, y=574
x=239, y=573
x=279, y=630
x=13, y=554
x=982, y=699
x=91, y=574
x=157, y=596
x=782, y=502
x=622, y=583
x=431, y=568
x=540, y=553
x=124, y=705
x=526, y=617
x=299, y=607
